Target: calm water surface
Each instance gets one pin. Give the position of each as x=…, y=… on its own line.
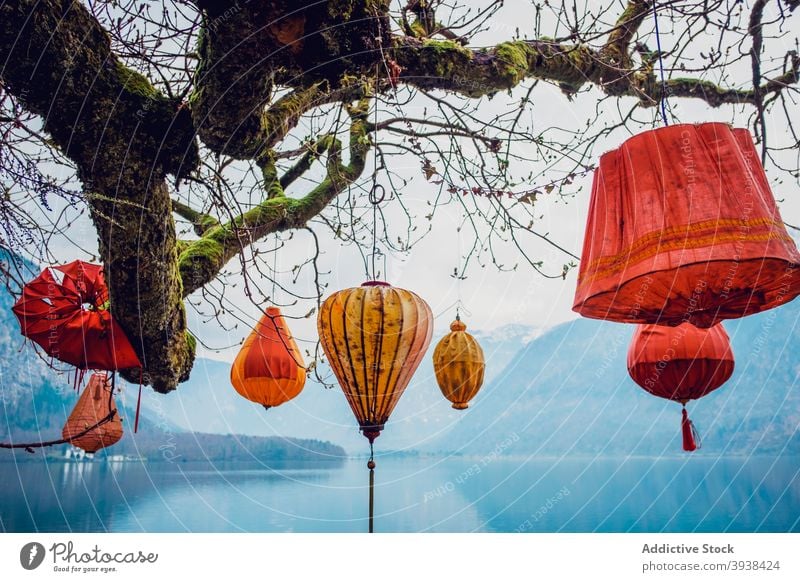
x=413, y=495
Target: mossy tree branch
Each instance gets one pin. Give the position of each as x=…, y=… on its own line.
x=201, y=222
x=245, y=50
x=202, y=260
x=446, y=65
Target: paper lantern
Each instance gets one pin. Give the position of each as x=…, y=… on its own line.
x=269, y=369
x=459, y=365
x=65, y=310
x=374, y=337
x=680, y=363
x=94, y=405
x=683, y=227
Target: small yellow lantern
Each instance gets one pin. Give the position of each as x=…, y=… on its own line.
x=459, y=365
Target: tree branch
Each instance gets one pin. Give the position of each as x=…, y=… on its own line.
x=200, y=262
x=201, y=222
x=446, y=65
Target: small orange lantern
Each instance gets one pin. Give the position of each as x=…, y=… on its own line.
x=459, y=365
x=269, y=369
x=95, y=404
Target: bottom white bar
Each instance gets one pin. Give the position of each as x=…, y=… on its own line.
x=389, y=557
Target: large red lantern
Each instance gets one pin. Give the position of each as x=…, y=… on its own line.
x=680, y=363
x=65, y=310
x=269, y=369
x=683, y=226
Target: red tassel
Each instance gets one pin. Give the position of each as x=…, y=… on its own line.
x=689, y=433
x=138, y=405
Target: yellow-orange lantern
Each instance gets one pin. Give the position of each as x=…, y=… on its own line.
x=94, y=405
x=269, y=369
x=374, y=337
x=459, y=365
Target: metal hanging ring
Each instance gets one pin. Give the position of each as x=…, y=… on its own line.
x=377, y=194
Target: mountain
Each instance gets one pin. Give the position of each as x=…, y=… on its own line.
x=568, y=392
x=562, y=392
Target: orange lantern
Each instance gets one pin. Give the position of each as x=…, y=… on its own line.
x=374, y=337
x=459, y=365
x=683, y=226
x=269, y=369
x=680, y=363
x=93, y=406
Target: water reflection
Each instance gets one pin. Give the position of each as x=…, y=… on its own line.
x=427, y=494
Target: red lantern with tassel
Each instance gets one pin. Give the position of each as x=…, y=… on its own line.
x=65, y=310
x=680, y=363
x=683, y=226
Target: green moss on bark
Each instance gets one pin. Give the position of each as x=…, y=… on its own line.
x=512, y=62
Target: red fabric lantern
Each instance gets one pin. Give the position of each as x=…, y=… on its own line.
x=269, y=369
x=682, y=226
x=680, y=363
x=94, y=405
x=65, y=311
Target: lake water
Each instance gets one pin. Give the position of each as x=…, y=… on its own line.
x=692, y=493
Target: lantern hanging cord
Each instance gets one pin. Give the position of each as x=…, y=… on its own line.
x=663, y=96
x=377, y=193
x=371, y=467
x=275, y=269
x=458, y=274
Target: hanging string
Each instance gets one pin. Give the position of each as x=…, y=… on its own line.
x=377, y=193
x=371, y=467
x=458, y=274
x=138, y=402
x=275, y=270
x=663, y=96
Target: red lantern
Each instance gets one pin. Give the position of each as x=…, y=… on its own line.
x=94, y=405
x=682, y=226
x=680, y=363
x=65, y=311
x=269, y=368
